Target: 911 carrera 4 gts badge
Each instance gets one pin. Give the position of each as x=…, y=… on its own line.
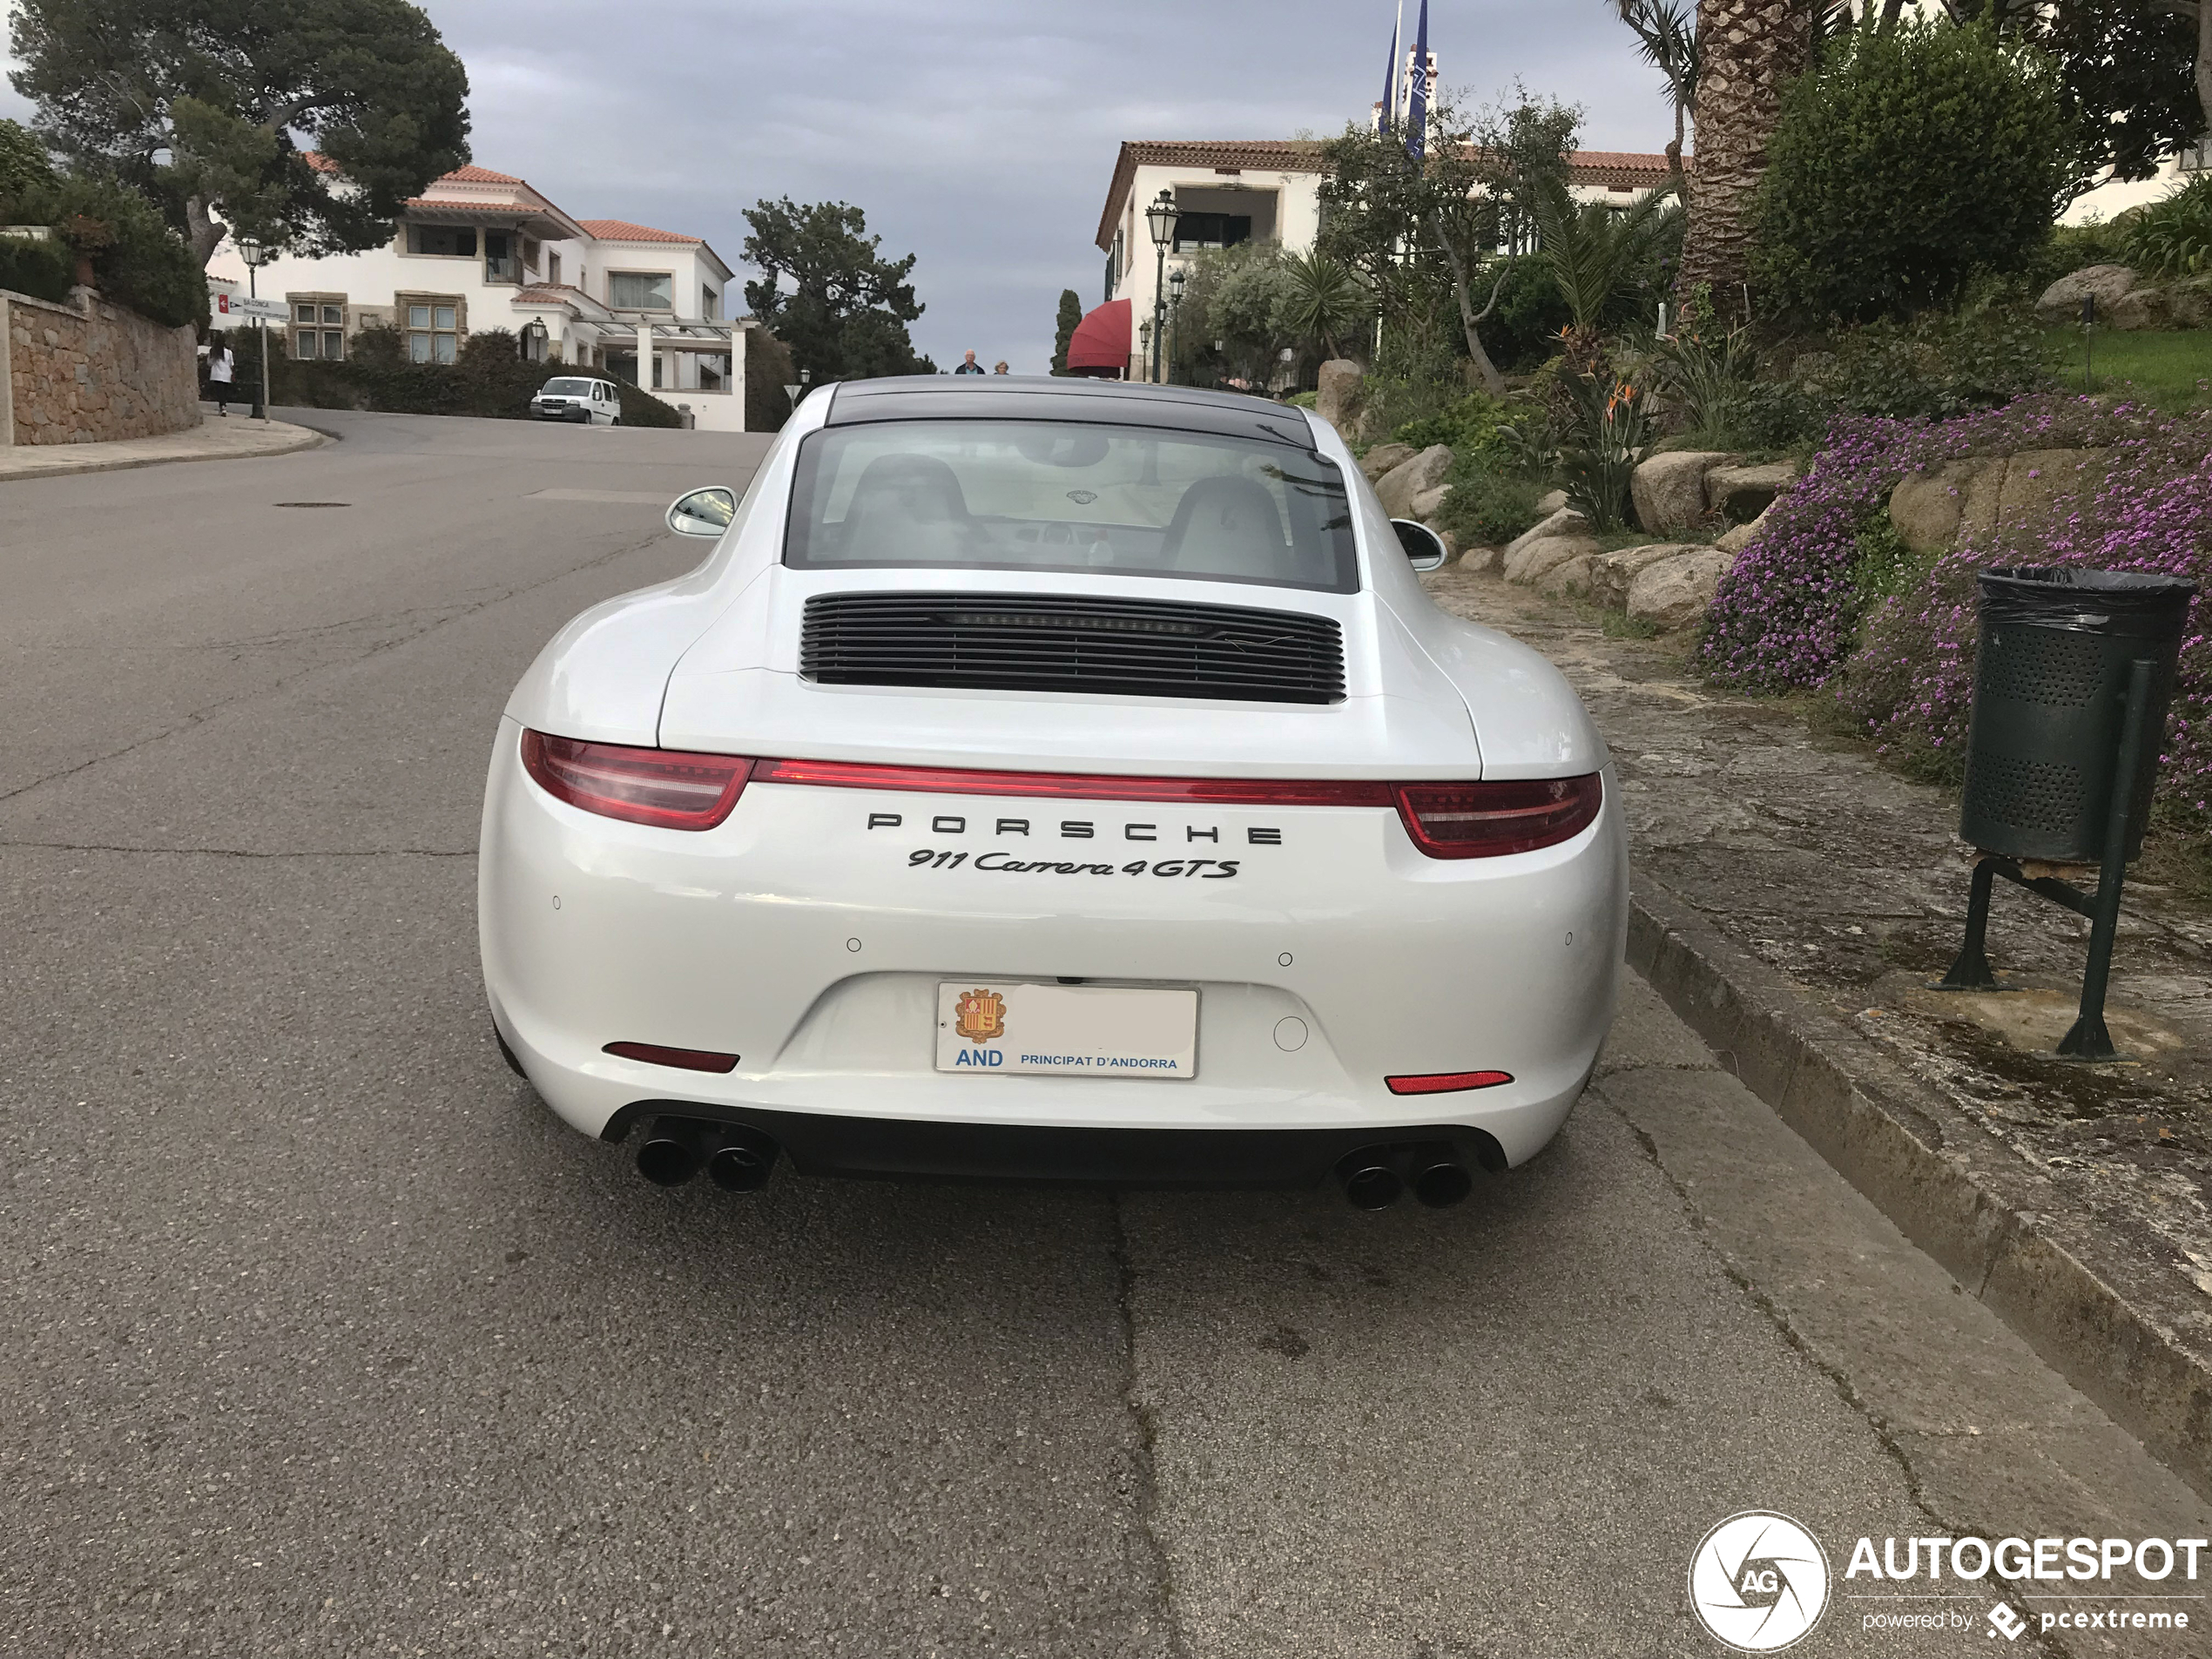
x=980, y=1016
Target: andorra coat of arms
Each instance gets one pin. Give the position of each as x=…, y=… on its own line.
x=980, y=1016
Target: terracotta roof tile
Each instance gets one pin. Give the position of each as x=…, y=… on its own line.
x=475, y=175
x=621, y=230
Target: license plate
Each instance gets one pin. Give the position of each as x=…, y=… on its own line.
x=1012, y=1028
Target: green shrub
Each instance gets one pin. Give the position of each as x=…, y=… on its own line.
x=768, y=369
x=2171, y=237
x=1488, y=506
x=1903, y=165
x=1470, y=425
x=41, y=269
x=489, y=377
x=138, y=260
x=1938, y=365
x=1706, y=372
x=2071, y=247
x=1524, y=330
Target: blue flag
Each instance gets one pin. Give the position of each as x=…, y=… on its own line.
x=1417, y=97
x=1389, y=83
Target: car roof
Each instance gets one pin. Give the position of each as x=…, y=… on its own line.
x=1038, y=397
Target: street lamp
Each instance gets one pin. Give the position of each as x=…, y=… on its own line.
x=794, y=393
x=1176, y=279
x=255, y=253
x=1161, y=217
x=535, y=334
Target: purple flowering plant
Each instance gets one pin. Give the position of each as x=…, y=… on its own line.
x=1794, y=612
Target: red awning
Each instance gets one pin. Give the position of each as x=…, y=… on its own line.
x=1100, y=344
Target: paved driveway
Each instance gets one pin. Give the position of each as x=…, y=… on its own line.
x=324, y=1339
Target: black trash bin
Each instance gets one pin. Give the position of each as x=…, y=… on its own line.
x=2059, y=649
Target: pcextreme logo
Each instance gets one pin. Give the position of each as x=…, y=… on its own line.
x=1759, y=1581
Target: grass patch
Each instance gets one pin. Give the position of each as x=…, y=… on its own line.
x=1619, y=625
x=2167, y=369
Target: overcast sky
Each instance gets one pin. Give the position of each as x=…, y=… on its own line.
x=978, y=134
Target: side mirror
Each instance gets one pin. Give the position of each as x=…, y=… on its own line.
x=703, y=512
x=1424, y=548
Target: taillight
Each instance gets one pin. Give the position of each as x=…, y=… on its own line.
x=1486, y=820
x=1447, y=1082
x=666, y=788
x=654, y=1054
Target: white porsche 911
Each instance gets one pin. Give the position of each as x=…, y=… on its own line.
x=1052, y=779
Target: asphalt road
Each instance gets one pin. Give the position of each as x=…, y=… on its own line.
x=323, y=1336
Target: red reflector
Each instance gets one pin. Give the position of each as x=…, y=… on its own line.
x=1068, y=786
x=686, y=1059
x=1483, y=821
x=1443, y=1082
x=666, y=788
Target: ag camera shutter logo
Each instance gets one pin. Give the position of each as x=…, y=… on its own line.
x=1759, y=1581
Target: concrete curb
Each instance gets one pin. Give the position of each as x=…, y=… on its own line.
x=283, y=439
x=1952, y=1188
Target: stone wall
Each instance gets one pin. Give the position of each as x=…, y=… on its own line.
x=83, y=376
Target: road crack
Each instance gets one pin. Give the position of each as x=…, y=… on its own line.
x=1144, y=1475
x=1915, y=1488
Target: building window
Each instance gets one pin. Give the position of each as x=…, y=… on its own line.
x=709, y=303
x=433, y=330
x=318, y=329
x=499, y=257
x=442, y=241
x=640, y=290
x=2197, y=158
x=553, y=267
x=1211, y=230
x=714, y=373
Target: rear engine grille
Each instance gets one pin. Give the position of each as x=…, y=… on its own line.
x=1037, y=643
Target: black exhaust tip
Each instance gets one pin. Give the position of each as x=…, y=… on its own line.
x=742, y=1159
x=1369, y=1181
x=673, y=1149
x=1439, y=1179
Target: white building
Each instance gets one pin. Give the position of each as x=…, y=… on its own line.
x=1262, y=190
x=483, y=250
x=2107, y=202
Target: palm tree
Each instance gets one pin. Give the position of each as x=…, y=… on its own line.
x=1666, y=36
x=1324, y=301
x=1591, y=249
x=1748, y=51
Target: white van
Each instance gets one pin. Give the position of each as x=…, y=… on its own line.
x=572, y=398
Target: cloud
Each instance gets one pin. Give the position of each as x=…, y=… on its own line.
x=979, y=135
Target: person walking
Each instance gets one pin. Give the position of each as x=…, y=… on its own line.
x=971, y=366
x=1001, y=369
x=220, y=368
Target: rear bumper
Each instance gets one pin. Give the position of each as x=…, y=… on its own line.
x=805, y=938
x=820, y=1143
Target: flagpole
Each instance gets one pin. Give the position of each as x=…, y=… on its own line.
x=1398, y=68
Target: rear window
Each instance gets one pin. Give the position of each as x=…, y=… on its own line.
x=1062, y=496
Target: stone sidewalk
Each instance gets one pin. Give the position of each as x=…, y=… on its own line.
x=1841, y=889
x=214, y=439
